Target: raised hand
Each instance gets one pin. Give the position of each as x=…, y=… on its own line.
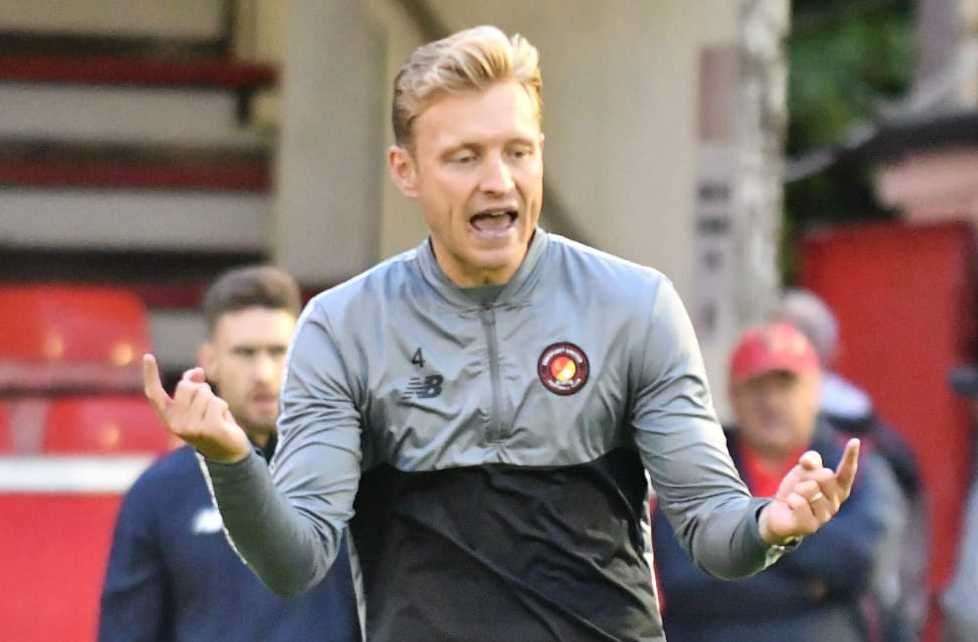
x=195, y=414
x=809, y=496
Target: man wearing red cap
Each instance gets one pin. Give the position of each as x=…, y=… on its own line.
x=814, y=593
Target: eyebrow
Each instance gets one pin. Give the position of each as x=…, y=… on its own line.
x=255, y=347
x=475, y=146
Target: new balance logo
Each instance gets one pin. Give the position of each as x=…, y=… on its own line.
x=424, y=388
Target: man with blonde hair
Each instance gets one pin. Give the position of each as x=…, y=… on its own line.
x=482, y=410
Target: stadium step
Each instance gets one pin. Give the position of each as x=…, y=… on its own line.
x=187, y=20
x=146, y=220
x=127, y=153
x=188, y=101
x=51, y=164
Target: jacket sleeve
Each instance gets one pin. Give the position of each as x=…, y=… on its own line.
x=134, y=594
x=287, y=521
x=684, y=449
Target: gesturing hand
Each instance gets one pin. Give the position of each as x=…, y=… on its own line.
x=196, y=415
x=809, y=496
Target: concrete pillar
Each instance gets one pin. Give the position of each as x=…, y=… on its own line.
x=738, y=195
x=331, y=149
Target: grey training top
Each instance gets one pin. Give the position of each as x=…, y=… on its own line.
x=489, y=454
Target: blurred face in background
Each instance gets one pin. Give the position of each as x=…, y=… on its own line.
x=776, y=411
x=476, y=168
x=245, y=358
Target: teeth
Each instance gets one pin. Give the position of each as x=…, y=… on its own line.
x=494, y=219
x=505, y=212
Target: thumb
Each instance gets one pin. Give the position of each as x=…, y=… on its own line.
x=196, y=375
x=811, y=460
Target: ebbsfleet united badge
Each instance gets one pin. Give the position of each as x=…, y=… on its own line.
x=563, y=368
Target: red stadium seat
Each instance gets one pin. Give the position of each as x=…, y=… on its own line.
x=71, y=337
x=103, y=425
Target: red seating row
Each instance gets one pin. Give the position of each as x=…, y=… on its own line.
x=71, y=337
x=92, y=425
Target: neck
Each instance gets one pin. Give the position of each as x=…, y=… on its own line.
x=258, y=438
x=469, y=276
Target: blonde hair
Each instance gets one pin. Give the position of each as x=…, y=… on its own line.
x=468, y=60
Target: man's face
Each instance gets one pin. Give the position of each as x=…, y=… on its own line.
x=776, y=412
x=245, y=358
x=476, y=168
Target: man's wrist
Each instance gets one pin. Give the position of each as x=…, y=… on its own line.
x=225, y=457
x=769, y=537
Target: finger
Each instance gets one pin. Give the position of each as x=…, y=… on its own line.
x=203, y=395
x=811, y=460
x=183, y=396
x=216, y=412
x=194, y=375
x=820, y=500
x=828, y=486
x=153, y=386
x=803, y=512
x=845, y=474
x=808, y=489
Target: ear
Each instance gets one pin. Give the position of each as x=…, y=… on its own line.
x=207, y=359
x=403, y=170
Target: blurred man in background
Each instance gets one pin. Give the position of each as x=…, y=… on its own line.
x=900, y=578
x=813, y=593
x=172, y=574
x=960, y=600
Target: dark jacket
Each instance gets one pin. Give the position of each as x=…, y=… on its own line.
x=173, y=576
x=812, y=593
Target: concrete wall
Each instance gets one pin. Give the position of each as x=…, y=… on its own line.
x=330, y=167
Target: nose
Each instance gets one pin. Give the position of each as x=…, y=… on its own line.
x=497, y=177
x=264, y=367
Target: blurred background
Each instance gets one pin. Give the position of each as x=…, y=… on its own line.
x=739, y=146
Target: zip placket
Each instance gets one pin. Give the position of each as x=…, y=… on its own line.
x=488, y=317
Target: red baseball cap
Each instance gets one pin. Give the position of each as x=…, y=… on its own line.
x=775, y=347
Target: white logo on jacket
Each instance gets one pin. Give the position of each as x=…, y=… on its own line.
x=207, y=521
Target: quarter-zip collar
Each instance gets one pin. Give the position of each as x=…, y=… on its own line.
x=515, y=289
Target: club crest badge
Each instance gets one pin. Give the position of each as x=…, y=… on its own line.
x=563, y=368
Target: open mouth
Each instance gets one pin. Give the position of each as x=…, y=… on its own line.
x=264, y=399
x=494, y=221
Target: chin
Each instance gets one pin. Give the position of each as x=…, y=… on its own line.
x=497, y=258
x=260, y=424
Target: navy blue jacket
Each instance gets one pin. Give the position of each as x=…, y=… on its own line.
x=173, y=576
x=812, y=593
